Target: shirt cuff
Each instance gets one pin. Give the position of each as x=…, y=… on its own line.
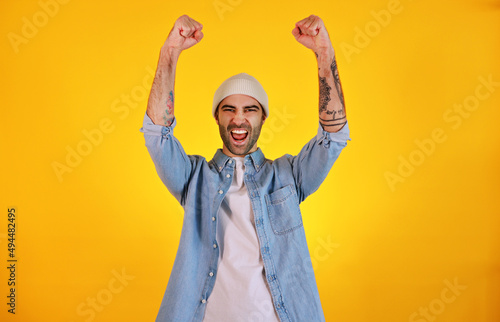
x=342, y=136
x=149, y=128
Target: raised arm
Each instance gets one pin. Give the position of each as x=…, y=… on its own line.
x=185, y=33
x=311, y=32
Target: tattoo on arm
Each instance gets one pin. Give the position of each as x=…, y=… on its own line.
x=324, y=94
x=167, y=117
x=336, y=114
x=336, y=79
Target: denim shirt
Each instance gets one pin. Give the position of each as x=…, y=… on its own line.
x=275, y=188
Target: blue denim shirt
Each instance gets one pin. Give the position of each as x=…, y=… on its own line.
x=276, y=188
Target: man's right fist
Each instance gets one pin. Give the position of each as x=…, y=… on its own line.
x=185, y=33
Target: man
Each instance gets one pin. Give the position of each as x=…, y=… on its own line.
x=243, y=254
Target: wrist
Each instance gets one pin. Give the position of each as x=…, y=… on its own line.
x=326, y=55
x=169, y=54
x=325, y=59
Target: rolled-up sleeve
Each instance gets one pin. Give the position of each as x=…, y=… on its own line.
x=313, y=163
x=172, y=164
x=341, y=136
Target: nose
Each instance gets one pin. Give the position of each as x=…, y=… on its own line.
x=239, y=117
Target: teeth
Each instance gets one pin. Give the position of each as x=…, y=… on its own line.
x=239, y=131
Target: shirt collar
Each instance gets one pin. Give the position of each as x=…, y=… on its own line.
x=257, y=159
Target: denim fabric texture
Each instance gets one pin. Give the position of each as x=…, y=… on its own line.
x=275, y=188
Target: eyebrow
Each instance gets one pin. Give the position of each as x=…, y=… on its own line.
x=248, y=106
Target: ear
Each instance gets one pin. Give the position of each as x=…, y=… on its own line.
x=263, y=113
x=216, y=115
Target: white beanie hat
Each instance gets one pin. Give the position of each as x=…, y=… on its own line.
x=241, y=84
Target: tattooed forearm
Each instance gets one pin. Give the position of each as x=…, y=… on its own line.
x=161, y=98
x=332, y=114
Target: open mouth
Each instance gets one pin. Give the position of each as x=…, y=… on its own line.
x=239, y=135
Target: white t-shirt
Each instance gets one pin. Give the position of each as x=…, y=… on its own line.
x=240, y=292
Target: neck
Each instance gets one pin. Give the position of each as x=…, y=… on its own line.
x=226, y=151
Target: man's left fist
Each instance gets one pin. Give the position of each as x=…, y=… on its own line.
x=311, y=32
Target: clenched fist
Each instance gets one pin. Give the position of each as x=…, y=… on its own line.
x=311, y=32
x=185, y=33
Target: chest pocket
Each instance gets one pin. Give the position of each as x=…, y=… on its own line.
x=283, y=209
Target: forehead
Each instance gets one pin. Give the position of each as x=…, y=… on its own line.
x=239, y=100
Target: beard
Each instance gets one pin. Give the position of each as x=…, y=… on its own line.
x=251, y=139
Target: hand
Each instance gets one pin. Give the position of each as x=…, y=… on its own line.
x=185, y=33
x=311, y=32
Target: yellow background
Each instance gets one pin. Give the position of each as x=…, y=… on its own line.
x=381, y=251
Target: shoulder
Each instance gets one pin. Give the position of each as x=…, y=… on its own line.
x=281, y=163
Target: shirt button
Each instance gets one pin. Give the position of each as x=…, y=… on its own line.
x=221, y=192
x=220, y=168
x=203, y=301
x=213, y=218
x=215, y=245
x=230, y=161
x=228, y=175
x=211, y=274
